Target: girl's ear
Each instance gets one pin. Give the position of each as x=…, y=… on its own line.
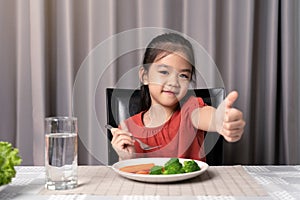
x=143, y=76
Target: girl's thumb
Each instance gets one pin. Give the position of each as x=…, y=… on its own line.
x=231, y=98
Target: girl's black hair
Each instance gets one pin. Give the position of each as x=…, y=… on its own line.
x=157, y=49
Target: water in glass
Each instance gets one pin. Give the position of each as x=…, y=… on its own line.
x=61, y=161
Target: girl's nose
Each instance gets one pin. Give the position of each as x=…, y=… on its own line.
x=173, y=80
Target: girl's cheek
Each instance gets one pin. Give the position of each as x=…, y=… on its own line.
x=157, y=80
x=185, y=84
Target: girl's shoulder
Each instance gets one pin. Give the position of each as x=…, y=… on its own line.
x=192, y=102
x=137, y=119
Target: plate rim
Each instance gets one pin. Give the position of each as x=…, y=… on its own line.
x=158, y=178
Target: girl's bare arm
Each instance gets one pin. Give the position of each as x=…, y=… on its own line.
x=225, y=120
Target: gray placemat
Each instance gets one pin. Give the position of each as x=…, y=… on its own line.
x=225, y=180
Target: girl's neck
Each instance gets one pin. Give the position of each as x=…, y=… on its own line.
x=157, y=116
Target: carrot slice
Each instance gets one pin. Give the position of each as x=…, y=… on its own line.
x=143, y=172
x=136, y=168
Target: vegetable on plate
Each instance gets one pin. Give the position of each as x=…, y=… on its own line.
x=174, y=166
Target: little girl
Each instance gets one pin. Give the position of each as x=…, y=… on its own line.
x=178, y=127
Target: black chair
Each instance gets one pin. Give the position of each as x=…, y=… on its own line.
x=123, y=103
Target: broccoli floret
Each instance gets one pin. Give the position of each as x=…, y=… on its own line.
x=174, y=170
x=190, y=166
x=173, y=166
x=156, y=170
x=172, y=162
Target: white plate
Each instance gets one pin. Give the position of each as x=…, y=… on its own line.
x=156, y=178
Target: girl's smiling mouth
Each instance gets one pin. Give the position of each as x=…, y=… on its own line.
x=170, y=92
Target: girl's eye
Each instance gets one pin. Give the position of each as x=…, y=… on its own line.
x=164, y=72
x=184, y=76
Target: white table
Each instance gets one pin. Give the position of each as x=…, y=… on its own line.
x=278, y=182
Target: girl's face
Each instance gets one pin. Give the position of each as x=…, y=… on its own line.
x=168, y=79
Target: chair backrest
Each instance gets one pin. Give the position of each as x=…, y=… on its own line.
x=123, y=103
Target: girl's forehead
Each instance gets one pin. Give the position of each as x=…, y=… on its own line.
x=174, y=60
x=164, y=54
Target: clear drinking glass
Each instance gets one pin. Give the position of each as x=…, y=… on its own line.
x=61, y=152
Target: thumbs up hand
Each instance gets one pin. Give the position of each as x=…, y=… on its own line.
x=229, y=121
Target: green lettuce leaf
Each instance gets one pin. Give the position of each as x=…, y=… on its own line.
x=9, y=158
